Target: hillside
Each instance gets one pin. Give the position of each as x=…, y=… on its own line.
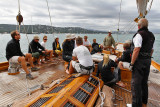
x=7, y=28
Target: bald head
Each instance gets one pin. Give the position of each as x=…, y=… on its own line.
x=143, y=23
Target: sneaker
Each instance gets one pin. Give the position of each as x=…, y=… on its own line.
x=129, y=105
x=34, y=69
x=29, y=76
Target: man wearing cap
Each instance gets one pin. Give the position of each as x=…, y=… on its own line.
x=15, y=55
x=56, y=47
x=73, y=40
x=67, y=48
x=108, y=41
x=36, y=49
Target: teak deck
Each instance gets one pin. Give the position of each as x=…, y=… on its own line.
x=55, y=71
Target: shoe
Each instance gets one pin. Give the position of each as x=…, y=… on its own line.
x=29, y=76
x=129, y=105
x=77, y=75
x=34, y=69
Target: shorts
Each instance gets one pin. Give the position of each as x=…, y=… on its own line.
x=58, y=52
x=76, y=66
x=14, y=59
x=36, y=54
x=126, y=65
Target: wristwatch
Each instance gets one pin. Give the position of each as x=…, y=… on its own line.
x=131, y=64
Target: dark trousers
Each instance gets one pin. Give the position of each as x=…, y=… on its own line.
x=139, y=85
x=67, y=57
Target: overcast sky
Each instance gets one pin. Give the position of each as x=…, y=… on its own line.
x=90, y=14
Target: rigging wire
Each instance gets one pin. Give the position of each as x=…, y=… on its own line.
x=19, y=12
x=50, y=16
x=119, y=14
x=27, y=37
x=119, y=18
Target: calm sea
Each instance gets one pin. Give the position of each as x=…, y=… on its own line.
x=4, y=38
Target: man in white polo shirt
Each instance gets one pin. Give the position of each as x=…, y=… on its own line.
x=82, y=61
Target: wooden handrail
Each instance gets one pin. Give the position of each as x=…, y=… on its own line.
x=4, y=66
x=156, y=65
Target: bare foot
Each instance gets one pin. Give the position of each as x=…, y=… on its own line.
x=67, y=71
x=50, y=60
x=39, y=63
x=44, y=62
x=121, y=84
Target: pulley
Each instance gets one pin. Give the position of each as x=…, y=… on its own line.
x=19, y=18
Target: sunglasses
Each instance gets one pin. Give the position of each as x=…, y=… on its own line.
x=36, y=39
x=17, y=34
x=45, y=39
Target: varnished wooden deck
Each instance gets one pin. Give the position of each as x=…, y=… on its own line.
x=124, y=95
x=55, y=70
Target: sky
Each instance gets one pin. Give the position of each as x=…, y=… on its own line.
x=90, y=14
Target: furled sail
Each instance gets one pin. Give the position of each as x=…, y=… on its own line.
x=142, y=8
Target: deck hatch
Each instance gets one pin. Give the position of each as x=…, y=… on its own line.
x=68, y=104
x=93, y=81
x=88, y=87
x=66, y=82
x=55, y=90
x=72, y=77
x=81, y=96
x=40, y=102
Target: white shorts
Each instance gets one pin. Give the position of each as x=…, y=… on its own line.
x=126, y=65
x=14, y=59
x=76, y=66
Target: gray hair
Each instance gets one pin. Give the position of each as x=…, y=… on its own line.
x=143, y=22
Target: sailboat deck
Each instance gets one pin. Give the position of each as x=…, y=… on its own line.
x=14, y=87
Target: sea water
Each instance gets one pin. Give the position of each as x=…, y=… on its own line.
x=25, y=39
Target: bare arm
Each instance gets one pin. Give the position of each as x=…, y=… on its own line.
x=74, y=58
x=135, y=54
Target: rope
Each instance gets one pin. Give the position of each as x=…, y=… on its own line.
x=27, y=37
x=28, y=90
x=101, y=94
x=19, y=6
x=49, y=15
x=150, y=6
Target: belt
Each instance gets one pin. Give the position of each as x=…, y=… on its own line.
x=144, y=55
x=86, y=68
